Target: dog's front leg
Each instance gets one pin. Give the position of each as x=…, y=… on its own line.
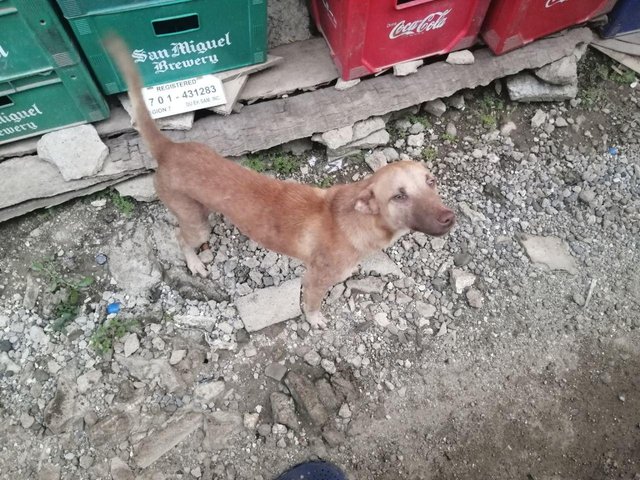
x=316, y=283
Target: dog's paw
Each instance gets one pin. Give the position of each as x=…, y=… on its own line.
x=196, y=266
x=317, y=320
x=206, y=256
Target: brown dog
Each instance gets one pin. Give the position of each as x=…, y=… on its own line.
x=330, y=230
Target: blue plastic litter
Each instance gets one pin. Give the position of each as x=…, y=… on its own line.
x=101, y=259
x=314, y=471
x=613, y=150
x=113, y=308
x=623, y=19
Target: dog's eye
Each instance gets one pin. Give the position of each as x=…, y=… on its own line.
x=400, y=196
x=431, y=181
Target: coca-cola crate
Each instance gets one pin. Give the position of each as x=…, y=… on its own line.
x=367, y=36
x=513, y=23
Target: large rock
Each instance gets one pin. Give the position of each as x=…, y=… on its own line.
x=269, y=306
x=549, y=251
x=284, y=410
x=157, y=369
x=62, y=409
x=220, y=429
x=525, y=87
x=306, y=396
x=380, y=263
x=77, y=151
x=133, y=263
x=155, y=445
x=560, y=72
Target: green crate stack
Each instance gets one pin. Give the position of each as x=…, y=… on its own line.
x=43, y=84
x=170, y=39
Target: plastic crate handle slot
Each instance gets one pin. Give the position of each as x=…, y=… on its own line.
x=175, y=25
x=400, y=4
x=5, y=101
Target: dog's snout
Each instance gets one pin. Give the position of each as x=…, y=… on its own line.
x=446, y=217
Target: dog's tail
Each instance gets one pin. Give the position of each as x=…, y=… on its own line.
x=156, y=141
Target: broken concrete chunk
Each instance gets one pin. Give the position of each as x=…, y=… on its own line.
x=133, y=263
x=156, y=444
x=277, y=371
x=157, y=369
x=120, y=470
x=335, y=139
x=140, y=188
x=284, y=410
x=220, y=429
x=209, y=391
x=525, y=87
x=376, y=160
x=560, y=72
x=307, y=398
x=367, y=127
x=474, y=297
x=549, y=251
x=346, y=84
x=78, y=151
x=380, y=263
x=406, y=68
x=269, y=306
x=435, y=107
x=62, y=409
x=366, y=285
x=461, y=57
x=538, y=119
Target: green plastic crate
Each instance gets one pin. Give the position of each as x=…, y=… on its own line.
x=48, y=101
x=170, y=40
x=32, y=39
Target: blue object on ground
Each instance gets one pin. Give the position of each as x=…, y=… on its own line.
x=313, y=471
x=613, y=150
x=623, y=19
x=113, y=308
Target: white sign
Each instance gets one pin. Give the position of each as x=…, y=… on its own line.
x=184, y=96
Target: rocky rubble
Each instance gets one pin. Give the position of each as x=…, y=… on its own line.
x=222, y=378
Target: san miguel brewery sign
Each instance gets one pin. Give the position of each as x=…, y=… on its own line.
x=173, y=58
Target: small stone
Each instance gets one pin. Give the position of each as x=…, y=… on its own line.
x=206, y=255
x=549, y=251
x=525, y=87
x=196, y=472
x=306, y=396
x=579, y=299
x=507, y=129
x=328, y=366
x=461, y=57
x=86, y=461
x=277, y=371
x=209, y=391
x=456, y=101
x=451, y=130
x=376, y=160
x=435, y=107
x=131, y=344
x=31, y=293
x=140, y=188
x=538, y=119
x=250, y=420
x=477, y=153
x=416, y=140
x=5, y=346
x=560, y=72
x=462, y=259
x=461, y=279
x=381, y=319
x=474, y=297
x=561, y=122
x=177, y=356
x=158, y=343
x=406, y=68
x=26, y=420
x=346, y=84
x=587, y=196
x=312, y=358
x=270, y=305
x=345, y=411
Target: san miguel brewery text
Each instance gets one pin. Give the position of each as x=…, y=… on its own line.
x=11, y=123
x=161, y=58
x=551, y=3
x=433, y=21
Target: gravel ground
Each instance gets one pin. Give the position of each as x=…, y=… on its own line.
x=455, y=357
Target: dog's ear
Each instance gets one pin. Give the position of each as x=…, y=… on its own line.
x=367, y=203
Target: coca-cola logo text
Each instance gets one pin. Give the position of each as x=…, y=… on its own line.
x=433, y=21
x=551, y=3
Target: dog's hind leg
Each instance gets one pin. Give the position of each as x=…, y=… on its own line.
x=192, y=232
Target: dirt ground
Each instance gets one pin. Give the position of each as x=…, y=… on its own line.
x=541, y=382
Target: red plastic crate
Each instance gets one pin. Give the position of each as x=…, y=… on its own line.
x=513, y=23
x=367, y=36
